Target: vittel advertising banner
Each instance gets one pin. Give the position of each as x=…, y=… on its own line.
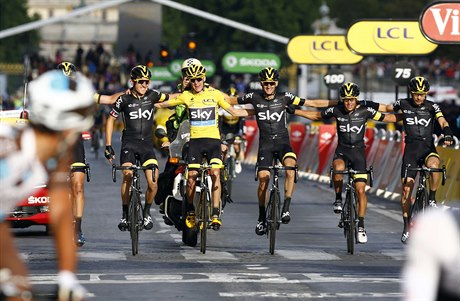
x=321, y=49
x=388, y=37
x=440, y=22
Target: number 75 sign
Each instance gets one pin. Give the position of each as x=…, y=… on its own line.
x=402, y=73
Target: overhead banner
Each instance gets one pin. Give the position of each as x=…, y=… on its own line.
x=322, y=50
x=440, y=22
x=388, y=37
x=175, y=67
x=162, y=74
x=249, y=62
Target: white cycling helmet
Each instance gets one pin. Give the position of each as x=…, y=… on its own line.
x=189, y=62
x=60, y=103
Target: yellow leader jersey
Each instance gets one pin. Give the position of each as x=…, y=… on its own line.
x=203, y=111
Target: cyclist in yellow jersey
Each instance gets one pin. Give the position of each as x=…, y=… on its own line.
x=202, y=104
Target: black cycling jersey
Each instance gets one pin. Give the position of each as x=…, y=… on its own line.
x=418, y=119
x=137, y=113
x=351, y=126
x=271, y=114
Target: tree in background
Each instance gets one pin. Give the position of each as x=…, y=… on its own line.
x=14, y=13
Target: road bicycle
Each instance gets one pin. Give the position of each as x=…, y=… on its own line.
x=135, y=211
x=273, y=209
x=349, y=215
x=421, y=201
x=203, y=209
x=95, y=143
x=229, y=172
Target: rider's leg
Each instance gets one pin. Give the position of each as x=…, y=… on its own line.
x=433, y=162
x=216, y=191
x=288, y=189
x=191, y=187
x=78, y=197
x=152, y=188
x=405, y=205
x=360, y=188
x=125, y=184
x=338, y=165
x=264, y=178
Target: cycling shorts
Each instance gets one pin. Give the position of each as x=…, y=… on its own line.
x=416, y=153
x=199, y=147
x=79, y=164
x=231, y=128
x=268, y=148
x=356, y=156
x=132, y=148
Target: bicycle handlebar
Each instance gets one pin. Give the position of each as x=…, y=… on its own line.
x=151, y=167
x=277, y=168
x=425, y=170
x=351, y=172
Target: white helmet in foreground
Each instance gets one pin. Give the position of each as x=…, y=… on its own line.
x=60, y=103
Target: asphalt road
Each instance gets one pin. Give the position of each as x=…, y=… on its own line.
x=310, y=261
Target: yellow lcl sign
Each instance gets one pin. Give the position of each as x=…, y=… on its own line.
x=388, y=37
x=321, y=49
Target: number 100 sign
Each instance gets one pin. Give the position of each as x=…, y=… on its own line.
x=334, y=79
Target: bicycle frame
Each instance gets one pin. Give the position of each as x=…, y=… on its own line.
x=273, y=208
x=421, y=195
x=135, y=212
x=349, y=215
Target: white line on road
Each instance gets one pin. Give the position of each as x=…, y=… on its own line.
x=309, y=295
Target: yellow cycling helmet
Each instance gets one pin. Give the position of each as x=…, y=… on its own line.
x=349, y=90
x=269, y=74
x=195, y=71
x=67, y=68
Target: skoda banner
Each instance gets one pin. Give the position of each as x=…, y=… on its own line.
x=162, y=74
x=388, y=37
x=176, y=65
x=249, y=62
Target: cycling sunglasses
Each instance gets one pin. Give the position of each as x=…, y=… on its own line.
x=199, y=79
x=142, y=81
x=268, y=84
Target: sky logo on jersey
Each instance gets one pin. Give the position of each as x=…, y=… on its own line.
x=139, y=114
x=351, y=129
x=202, y=116
x=270, y=116
x=418, y=121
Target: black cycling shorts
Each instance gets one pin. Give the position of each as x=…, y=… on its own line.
x=268, y=148
x=200, y=147
x=416, y=153
x=356, y=156
x=79, y=164
x=132, y=148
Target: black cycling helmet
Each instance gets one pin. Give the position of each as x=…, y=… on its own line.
x=195, y=71
x=269, y=74
x=67, y=68
x=348, y=90
x=140, y=72
x=419, y=84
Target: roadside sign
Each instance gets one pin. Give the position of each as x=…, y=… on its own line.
x=334, y=78
x=402, y=73
x=249, y=62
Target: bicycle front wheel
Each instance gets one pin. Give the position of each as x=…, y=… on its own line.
x=350, y=222
x=273, y=219
x=420, y=203
x=135, y=215
x=203, y=218
x=95, y=144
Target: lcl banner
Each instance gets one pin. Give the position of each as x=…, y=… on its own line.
x=440, y=22
x=388, y=37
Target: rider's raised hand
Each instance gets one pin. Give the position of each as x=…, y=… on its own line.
x=448, y=135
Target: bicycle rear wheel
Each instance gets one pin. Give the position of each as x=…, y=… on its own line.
x=135, y=210
x=272, y=220
x=350, y=222
x=189, y=236
x=95, y=143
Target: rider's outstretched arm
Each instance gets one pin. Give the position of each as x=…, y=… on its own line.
x=108, y=99
x=320, y=103
x=312, y=115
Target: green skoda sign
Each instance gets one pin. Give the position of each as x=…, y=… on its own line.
x=162, y=74
x=175, y=67
x=249, y=62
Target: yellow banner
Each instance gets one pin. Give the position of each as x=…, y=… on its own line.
x=388, y=37
x=451, y=190
x=321, y=49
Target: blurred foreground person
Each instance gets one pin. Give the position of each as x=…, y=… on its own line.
x=432, y=270
x=61, y=107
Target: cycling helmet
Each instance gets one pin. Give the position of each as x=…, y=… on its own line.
x=188, y=62
x=59, y=102
x=269, y=74
x=419, y=84
x=140, y=72
x=195, y=71
x=67, y=68
x=348, y=90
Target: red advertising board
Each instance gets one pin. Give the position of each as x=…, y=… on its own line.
x=440, y=22
x=297, y=133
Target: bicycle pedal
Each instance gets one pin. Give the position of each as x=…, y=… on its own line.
x=340, y=225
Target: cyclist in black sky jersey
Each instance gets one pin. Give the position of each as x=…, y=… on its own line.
x=351, y=127
x=137, y=110
x=419, y=118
